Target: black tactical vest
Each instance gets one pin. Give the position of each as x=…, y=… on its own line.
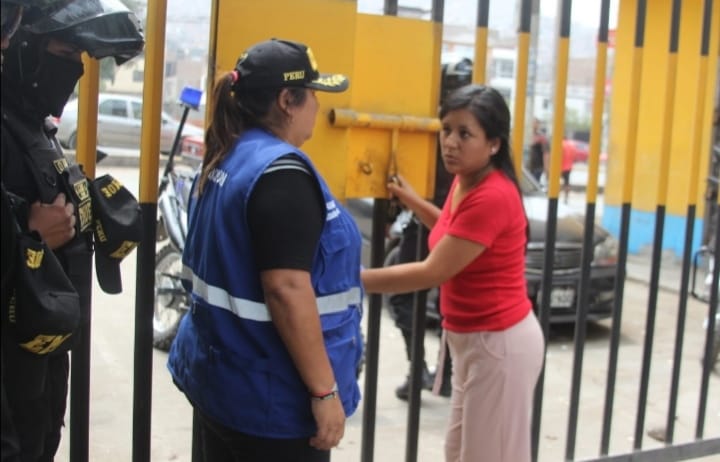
x=35, y=169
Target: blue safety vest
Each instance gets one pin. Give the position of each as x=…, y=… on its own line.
x=228, y=357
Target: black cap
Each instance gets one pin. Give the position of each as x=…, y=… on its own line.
x=282, y=63
x=118, y=229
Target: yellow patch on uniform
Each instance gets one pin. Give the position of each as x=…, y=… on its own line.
x=60, y=165
x=82, y=190
x=124, y=249
x=34, y=258
x=85, y=215
x=43, y=344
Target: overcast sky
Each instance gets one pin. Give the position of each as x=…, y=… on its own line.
x=502, y=12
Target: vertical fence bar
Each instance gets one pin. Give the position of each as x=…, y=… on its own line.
x=372, y=341
x=697, y=136
x=377, y=246
x=521, y=80
x=481, y=42
x=665, y=145
x=85, y=155
x=89, y=85
x=390, y=8
x=627, y=187
x=416, y=362
x=145, y=277
x=588, y=247
x=561, y=66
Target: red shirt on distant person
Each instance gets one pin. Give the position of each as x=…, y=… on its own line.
x=568, y=158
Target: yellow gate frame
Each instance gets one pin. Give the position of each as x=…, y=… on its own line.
x=397, y=85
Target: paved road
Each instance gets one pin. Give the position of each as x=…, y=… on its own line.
x=112, y=384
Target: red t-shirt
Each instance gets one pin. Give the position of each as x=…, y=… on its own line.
x=490, y=293
x=568, y=158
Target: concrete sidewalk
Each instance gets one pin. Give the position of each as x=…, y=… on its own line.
x=113, y=363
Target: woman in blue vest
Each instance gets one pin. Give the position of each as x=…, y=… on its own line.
x=268, y=353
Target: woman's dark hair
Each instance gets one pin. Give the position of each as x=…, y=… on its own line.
x=490, y=110
x=233, y=112
x=488, y=107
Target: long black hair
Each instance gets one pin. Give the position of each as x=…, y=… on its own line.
x=234, y=111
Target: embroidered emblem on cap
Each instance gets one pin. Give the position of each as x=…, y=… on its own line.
x=294, y=75
x=110, y=189
x=335, y=80
x=125, y=248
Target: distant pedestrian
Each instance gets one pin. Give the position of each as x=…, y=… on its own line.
x=477, y=256
x=568, y=159
x=539, y=152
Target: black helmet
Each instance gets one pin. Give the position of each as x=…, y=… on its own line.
x=10, y=15
x=12, y=11
x=102, y=28
x=455, y=75
x=33, y=3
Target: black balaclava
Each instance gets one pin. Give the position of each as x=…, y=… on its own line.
x=45, y=81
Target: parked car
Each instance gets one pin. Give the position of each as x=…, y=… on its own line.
x=119, y=122
x=567, y=258
x=192, y=148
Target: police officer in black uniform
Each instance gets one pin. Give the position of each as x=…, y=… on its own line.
x=12, y=12
x=454, y=75
x=41, y=67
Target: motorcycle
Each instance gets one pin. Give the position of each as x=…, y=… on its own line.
x=703, y=261
x=715, y=351
x=171, y=299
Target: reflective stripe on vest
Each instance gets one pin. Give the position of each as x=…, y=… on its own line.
x=257, y=311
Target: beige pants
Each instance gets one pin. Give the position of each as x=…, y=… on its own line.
x=493, y=383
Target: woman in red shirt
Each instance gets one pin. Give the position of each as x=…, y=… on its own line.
x=477, y=256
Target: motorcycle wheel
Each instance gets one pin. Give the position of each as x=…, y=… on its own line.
x=170, y=297
x=715, y=355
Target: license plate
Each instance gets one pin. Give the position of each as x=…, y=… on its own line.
x=560, y=297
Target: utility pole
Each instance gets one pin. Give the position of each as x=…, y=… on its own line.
x=532, y=70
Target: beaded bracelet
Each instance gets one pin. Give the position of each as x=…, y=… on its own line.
x=325, y=396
